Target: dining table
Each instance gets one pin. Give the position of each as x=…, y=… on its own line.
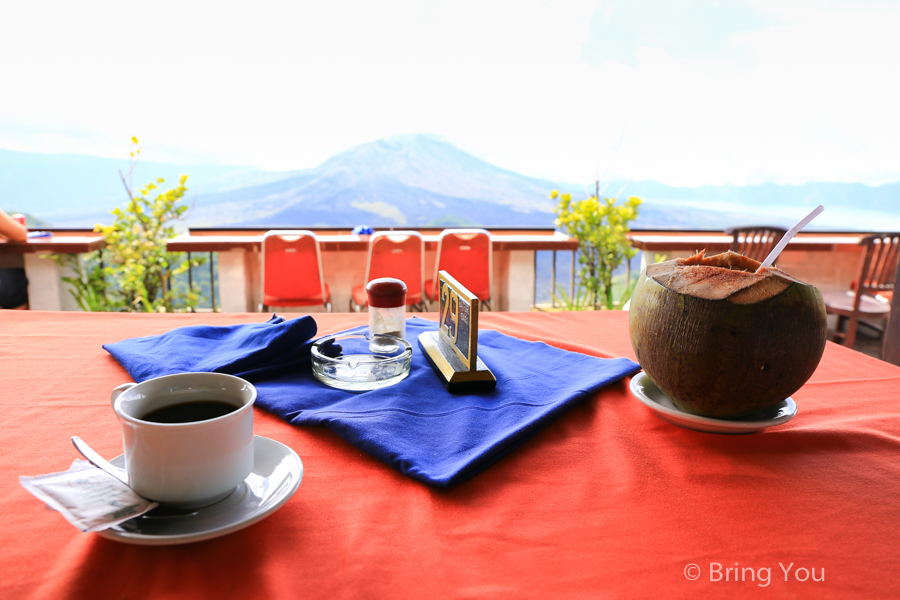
x=605, y=500
x=47, y=289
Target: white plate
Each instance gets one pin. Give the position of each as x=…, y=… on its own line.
x=646, y=391
x=277, y=472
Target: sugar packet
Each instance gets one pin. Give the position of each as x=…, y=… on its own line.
x=89, y=499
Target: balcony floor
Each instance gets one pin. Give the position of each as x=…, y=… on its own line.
x=867, y=343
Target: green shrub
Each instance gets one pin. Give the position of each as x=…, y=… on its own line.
x=600, y=226
x=135, y=272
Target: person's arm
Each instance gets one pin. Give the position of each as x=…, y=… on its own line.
x=11, y=229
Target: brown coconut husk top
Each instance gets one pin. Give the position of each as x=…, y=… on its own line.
x=727, y=276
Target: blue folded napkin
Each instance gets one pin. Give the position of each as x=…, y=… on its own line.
x=416, y=425
x=250, y=351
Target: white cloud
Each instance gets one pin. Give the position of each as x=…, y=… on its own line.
x=285, y=85
x=812, y=102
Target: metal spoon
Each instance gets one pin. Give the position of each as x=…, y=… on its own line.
x=98, y=461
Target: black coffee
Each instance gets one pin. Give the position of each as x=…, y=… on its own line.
x=187, y=412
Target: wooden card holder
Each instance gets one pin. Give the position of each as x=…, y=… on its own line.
x=452, y=350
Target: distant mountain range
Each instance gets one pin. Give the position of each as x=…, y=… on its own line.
x=406, y=181
x=413, y=181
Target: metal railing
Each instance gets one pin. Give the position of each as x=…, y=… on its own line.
x=539, y=273
x=545, y=295
x=212, y=262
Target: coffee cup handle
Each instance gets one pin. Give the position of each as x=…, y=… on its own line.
x=119, y=390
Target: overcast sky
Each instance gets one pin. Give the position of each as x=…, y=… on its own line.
x=684, y=92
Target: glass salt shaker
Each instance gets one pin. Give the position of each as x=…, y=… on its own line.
x=387, y=307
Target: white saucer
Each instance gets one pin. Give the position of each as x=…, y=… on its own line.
x=277, y=472
x=646, y=391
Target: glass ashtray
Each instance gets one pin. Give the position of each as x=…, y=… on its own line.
x=358, y=362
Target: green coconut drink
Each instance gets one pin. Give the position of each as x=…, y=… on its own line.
x=721, y=340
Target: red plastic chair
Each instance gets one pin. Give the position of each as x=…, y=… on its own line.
x=292, y=270
x=467, y=255
x=399, y=254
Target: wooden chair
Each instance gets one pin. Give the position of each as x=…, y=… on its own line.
x=398, y=254
x=877, y=273
x=755, y=242
x=891, y=350
x=292, y=270
x=467, y=255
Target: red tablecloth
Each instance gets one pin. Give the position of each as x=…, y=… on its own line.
x=606, y=501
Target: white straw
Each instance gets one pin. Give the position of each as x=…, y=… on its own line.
x=788, y=237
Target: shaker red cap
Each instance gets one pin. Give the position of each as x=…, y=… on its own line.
x=386, y=292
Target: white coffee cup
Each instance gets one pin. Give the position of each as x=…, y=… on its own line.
x=187, y=464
